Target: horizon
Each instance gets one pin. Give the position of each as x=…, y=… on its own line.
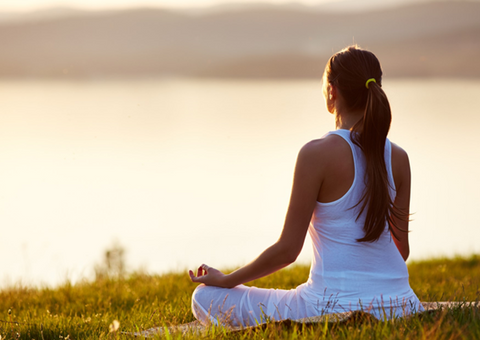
x=296, y=37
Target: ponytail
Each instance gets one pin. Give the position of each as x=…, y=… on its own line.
x=370, y=134
x=357, y=75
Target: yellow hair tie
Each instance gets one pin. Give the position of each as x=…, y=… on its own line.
x=368, y=81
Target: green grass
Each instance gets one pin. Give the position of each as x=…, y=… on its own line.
x=85, y=310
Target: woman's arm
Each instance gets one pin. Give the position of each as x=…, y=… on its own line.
x=306, y=184
x=402, y=176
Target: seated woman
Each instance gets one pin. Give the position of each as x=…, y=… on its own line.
x=351, y=192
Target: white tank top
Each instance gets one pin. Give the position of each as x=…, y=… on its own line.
x=349, y=275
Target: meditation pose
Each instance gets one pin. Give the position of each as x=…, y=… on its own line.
x=351, y=192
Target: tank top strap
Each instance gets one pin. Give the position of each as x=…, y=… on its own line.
x=345, y=134
x=358, y=159
x=388, y=165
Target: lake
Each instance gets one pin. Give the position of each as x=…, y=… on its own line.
x=181, y=171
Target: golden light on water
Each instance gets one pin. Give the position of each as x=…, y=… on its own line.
x=184, y=170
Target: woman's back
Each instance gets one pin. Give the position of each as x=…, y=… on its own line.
x=352, y=273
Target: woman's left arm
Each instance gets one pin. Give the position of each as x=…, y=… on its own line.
x=306, y=185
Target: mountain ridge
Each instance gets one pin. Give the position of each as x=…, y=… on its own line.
x=431, y=39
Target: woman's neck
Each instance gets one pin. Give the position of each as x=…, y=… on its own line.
x=347, y=120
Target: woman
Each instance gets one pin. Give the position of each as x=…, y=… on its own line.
x=351, y=191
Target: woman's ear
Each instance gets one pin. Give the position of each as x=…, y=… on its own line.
x=332, y=91
x=331, y=95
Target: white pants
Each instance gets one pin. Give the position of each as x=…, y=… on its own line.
x=250, y=306
x=243, y=306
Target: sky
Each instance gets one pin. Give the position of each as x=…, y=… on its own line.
x=28, y=5
x=32, y=5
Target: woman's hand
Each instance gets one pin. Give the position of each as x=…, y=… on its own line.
x=209, y=276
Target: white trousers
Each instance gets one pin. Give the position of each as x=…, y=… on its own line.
x=243, y=306
x=250, y=306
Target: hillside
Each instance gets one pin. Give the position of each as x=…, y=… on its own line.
x=139, y=301
x=429, y=39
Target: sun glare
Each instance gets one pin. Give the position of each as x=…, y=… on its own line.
x=29, y=5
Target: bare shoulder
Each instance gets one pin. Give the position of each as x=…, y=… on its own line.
x=325, y=156
x=399, y=157
x=324, y=148
x=400, y=165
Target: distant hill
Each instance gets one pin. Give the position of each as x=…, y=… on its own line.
x=428, y=39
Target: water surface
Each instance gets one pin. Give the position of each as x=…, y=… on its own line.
x=188, y=171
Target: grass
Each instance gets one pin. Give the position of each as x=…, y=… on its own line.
x=138, y=301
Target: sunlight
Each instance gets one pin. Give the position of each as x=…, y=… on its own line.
x=29, y=5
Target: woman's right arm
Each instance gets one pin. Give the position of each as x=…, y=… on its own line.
x=402, y=177
x=308, y=176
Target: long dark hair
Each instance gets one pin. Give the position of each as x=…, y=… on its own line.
x=349, y=70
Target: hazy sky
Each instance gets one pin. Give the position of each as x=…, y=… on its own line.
x=28, y=5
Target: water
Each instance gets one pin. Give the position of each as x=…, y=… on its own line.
x=182, y=172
